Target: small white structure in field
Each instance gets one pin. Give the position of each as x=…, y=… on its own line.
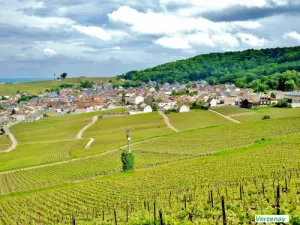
x=148, y=109
x=184, y=108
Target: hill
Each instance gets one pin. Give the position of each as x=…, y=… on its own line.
x=260, y=69
x=41, y=86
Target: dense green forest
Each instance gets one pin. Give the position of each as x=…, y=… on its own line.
x=264, y=69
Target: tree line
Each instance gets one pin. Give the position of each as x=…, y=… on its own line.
x=276, y=68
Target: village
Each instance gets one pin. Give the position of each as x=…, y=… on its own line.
x=144, y=99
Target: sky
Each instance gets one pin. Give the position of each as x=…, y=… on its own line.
x=110, y=37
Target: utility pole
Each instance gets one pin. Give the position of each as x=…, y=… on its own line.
x=128, y=139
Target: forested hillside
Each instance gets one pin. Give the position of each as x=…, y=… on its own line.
x=264, y=69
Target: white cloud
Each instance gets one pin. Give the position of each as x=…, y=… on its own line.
x=97, y=32
x=189, y=41
x=173, y=42
x=292, y=35
x=200, y=39
x=194, y=7
x=19, y=19
x=252, y=40
x=225, y=39
x=49, y=52
x=164, y=23
x=159, y=23
x=214, y=4
x=248, y=25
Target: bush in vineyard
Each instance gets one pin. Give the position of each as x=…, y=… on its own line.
x=127, y=159
x=266, y=117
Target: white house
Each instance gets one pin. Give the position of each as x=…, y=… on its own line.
x=184, y=108
x=167, y=105
x=136, y=100
x=83, y=109
x=33, y=117
x=148, y=109
x=152, y=89
x=19, y=117
x=293, y=98
x=212, y=102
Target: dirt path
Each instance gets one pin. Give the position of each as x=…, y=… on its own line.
x=88, y=145
x=167, y=121
x=80, y=133
x=94, y=120
x=226, y=117
x=11, y=136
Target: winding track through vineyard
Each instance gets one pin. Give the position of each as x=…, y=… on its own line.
x=226, y=117
x=12, y=138
x=168, y=122
x=80, y=133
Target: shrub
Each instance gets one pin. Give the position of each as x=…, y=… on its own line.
x=127, y=159
x=266, y=117
x=282, y=104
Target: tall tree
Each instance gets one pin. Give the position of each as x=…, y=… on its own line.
x=63, y=76
x=290, y=85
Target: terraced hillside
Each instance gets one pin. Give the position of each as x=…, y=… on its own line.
x=196, y=119
x=184, y=174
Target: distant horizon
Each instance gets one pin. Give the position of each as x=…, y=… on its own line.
x=30, y=79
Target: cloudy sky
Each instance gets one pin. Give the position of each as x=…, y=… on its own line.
x=108, y=37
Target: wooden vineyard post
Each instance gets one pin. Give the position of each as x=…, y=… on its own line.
x=161, y=222
x=184, y=201
x=154, y=211
x=211, y=199
x=223, y=210
x=286, y=184
x=115, y=216
x=73, y=220
x=278, y=201
x=241, y=192
x=127, y=213
x=103, y=215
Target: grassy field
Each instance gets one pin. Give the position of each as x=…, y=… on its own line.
x=196, y=119
x=259, y=113
x=41, y=86
x=4, y=142
x=231, y=110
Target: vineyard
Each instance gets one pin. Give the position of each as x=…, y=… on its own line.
x=109, y=133
x=4, y=142
x=272, y=112
x=196, y=119
x=77, y=170
x=215, y=139
x=189, y=193
x=220, y=171
x=231, y=110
